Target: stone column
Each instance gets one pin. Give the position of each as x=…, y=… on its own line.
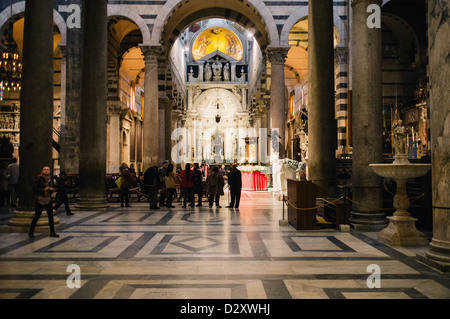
x=151, y=137
x=321, y=124
x=367, y=120
x=341, y=85
x=92, y=166
x=277, y=58
x=439, y=73
x=36, y=110
x=70, y=129
x=162, y=129
x=113, y=124
x=168, y=129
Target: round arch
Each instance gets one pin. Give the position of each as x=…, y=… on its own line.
x=401, y=29
x=216, y=93
x=121, y=11
x=176, y=15
x=19, y=8
x=302, y=13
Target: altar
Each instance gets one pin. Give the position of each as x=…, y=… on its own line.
x=253, y=179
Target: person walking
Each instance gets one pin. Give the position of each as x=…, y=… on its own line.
x=235, y=182
x=171, y=185
x=152, y=184
x=198, y=183
x=13, y=181
x=162, y=179
x=187, y=185
x=127, y=181
x=4, y=177
x=43, y=188
x=214, y=187
x=63, y=185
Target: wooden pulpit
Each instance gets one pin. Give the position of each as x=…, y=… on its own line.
x=303, y=194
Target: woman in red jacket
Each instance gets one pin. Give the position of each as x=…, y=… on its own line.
x=187, y=185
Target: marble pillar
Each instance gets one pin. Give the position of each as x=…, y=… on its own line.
x=70, y=127
x=113, y=124
x=321, y=124
x=367, y=120
x=439, y=72
x=92, y=166
x=168, y=130
x=150, y=156
x=277, y=58
x=36, y=110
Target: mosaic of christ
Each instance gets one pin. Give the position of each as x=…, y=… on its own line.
x=217, y=38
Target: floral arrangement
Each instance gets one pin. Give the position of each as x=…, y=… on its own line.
x=253, y=168
x=293, y=164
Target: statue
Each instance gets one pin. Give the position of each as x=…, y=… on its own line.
x=401, y=156
x=226, y=72
x=217, y=69
x=399, y=138
x=208, y=73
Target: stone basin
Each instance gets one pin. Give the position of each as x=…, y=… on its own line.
x=401, y=230
x=401, y=171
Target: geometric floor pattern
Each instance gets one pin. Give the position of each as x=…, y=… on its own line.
x=203, y=253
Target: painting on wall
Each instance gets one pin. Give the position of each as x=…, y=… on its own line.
x=217, y=38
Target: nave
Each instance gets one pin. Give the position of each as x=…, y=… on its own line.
x=202, y=253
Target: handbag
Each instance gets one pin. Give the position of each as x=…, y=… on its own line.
x=119, y=182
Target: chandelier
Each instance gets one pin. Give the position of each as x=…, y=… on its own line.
x=10, y=64
x=218, y=117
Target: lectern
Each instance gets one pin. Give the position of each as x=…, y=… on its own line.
x=303, y=194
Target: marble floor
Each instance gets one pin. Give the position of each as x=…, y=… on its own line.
x=202, y=253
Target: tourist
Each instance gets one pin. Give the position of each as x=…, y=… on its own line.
x=63, y=185
x=43, y=188
x=222, y=171
x=198, y=183
x=152, y=184
x=13, y=181
x=162, y=179
x=127, y=181
x=187, y=185
x=214, y=187
x=171, y=185
x=235, y=182
x=4, y=177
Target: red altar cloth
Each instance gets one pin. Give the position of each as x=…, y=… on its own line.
x=254, y=181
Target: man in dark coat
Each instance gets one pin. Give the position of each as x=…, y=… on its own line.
x=63, y=186
x=152, y=183
x=214, y=187
x=235, y=182
x=198, y=183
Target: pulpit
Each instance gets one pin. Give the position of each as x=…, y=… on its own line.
x=303, y=195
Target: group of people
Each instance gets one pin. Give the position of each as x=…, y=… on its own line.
x=164, y=179
x=190, y=181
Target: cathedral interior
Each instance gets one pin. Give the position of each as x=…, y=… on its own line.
x=353, y=94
